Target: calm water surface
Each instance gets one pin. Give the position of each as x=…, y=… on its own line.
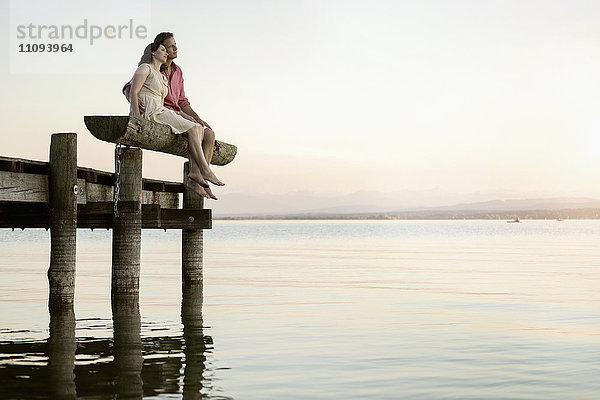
x=315, y=310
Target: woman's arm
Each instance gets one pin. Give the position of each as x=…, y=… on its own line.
x=138, y=81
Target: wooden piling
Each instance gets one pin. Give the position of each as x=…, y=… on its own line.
x=127, y=227
x=63, y=218
x=191, y=239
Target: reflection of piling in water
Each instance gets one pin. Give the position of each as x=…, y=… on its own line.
x=193, y=335
x=61, y=351
x=127, y=350
x=63, y=217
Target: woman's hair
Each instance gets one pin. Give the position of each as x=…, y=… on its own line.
x=154, y=46
x=147, y=56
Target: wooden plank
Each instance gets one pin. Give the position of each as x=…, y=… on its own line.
x=185, y=219
x=33, y=188
x=22, y=187
x=10, y=164
x=24, y=215
x=100, y=215
x=81, y=191
x=150, y=135
x=96, y=193
x=163, y=199
x=95, y=215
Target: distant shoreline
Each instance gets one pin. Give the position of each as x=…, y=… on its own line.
x=562, y=214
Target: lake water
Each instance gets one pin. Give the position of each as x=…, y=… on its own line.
x=315, y=310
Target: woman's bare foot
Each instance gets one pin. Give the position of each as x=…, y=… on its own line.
x=210, y=193
x=212, y=178
x=198, y=179
x=195, y=186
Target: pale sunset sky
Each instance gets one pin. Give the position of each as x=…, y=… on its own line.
x=332, y=96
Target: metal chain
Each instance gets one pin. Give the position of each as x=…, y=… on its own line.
x=118, y=152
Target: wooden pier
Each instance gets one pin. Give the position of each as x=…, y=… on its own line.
x=60, y=196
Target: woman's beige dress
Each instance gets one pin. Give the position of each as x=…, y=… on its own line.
x=152, y=94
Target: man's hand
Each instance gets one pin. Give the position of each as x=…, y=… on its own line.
x=203, y=123
x=186, y=116
x=140, y=103
x=190, y=111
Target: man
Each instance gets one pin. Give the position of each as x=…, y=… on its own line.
x=175, y=99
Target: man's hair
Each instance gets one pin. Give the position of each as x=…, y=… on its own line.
x=161, y=37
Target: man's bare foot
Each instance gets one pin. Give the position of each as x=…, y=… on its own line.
x=212, y=178
x=210, y=193
x=195, y=186
x=198, y=179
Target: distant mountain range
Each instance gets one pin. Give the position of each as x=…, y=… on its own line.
x=396, y=205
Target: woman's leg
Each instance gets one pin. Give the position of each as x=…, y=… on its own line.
x=192, y=136
x=208, y=144
x=195, y=186
x=199, y=169
x=195, y=180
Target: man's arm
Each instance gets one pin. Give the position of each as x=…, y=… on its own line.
x=126, y=89
x=190, y=111
x=138, y=81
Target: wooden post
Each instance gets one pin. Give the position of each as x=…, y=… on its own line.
x=127, y=227
x=63, y=218
x=191, y=239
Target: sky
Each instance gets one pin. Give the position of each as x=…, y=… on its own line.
x=494, y=98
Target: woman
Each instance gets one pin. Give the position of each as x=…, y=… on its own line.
x=150, y=86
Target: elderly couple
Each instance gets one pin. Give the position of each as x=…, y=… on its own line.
x=156, y=92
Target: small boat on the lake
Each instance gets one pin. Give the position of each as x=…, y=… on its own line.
x=516, y=220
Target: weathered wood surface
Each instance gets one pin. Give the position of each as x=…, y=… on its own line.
x=18, y=186
x=127, y=226
x=26, y=181
x=33, y=188
x=63, y=218
x=191, y=239
x=150, y=135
